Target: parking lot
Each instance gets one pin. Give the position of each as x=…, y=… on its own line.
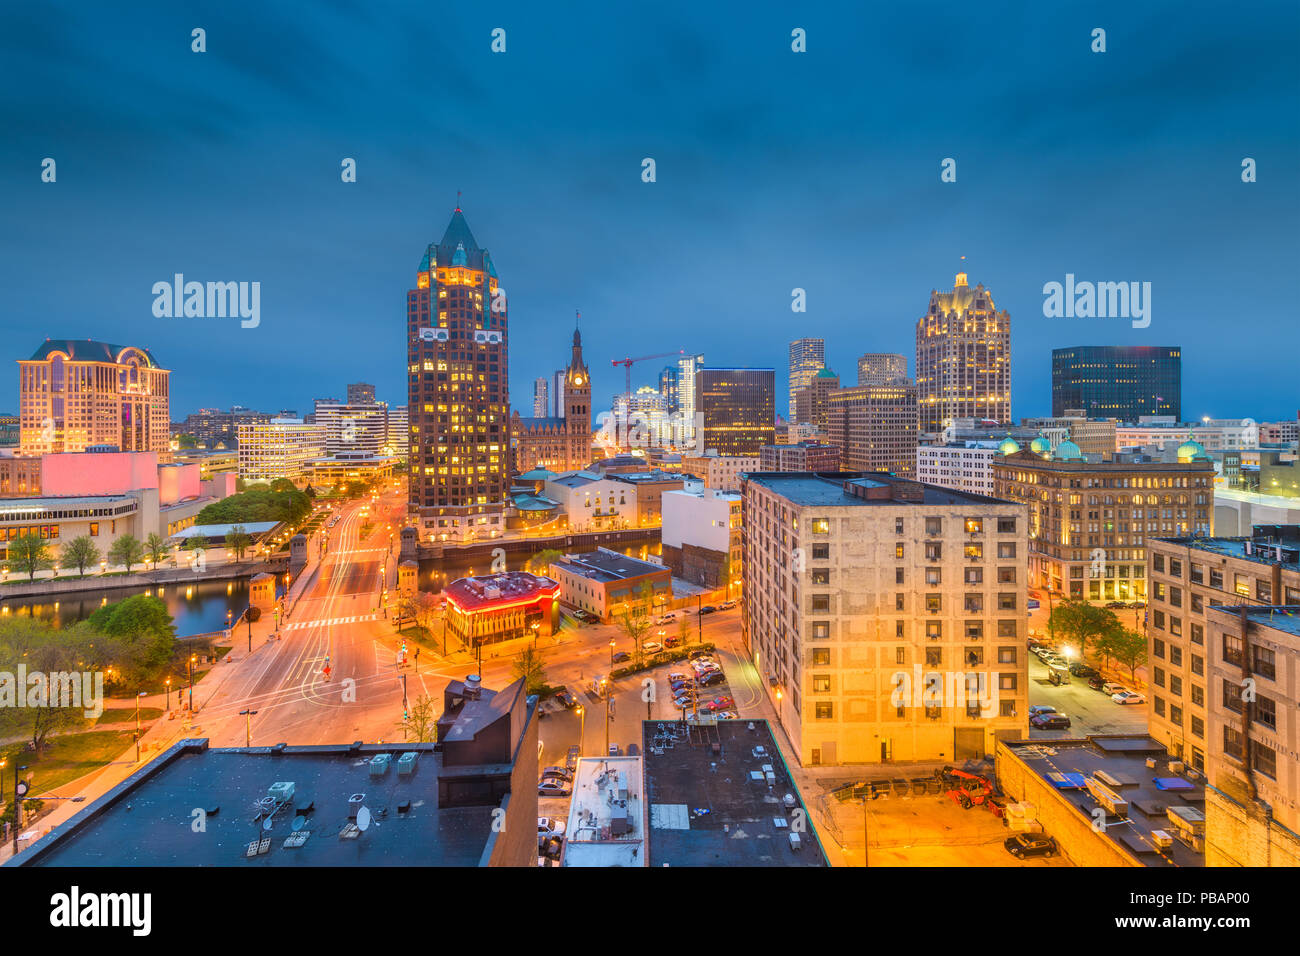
x=1090, y=711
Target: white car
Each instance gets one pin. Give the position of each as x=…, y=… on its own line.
x=667, y=619
x=652, y=647
x=1128, y=697
x=548, y=827
x=1110, y=687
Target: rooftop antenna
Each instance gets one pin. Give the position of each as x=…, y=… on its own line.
x=458, y=203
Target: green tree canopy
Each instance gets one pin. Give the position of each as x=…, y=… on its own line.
x=126, y=551
x=1078, y=622
x=155, y=546
x=29, y=553
x=258, y=504
x=238, y=540
x=80, y=553
x=529, y=666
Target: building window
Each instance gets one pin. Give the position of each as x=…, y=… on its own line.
x=1198, y=634
x=1232, y=697
x=1006, y=655
x=1198, y=727
x=974, y=526
x=900, y=654
x=821, y=602
x=1265, y=760
x=1006, y=602
x=821, y=684
x=1266, y=712
x=1265, y=663
x=1158, y=677
x=821, y=576
x=1006, y=526
x=898, y=602
x=933, y=576
x=821, y=656
x=899, y=551
x=898, y=526
x=1160, y=706
x=898, y=575
x=825, y=710
x=1158, y=562
x=1006, y=628
x=821, y=552
x=1242, y=584
x=821, y=630
x=898, y=628
x=1232, y=653
x=1233, y=743
x=933, y=552
x=934, y=526
x=1007, y=549
x=933, y=602
x=1157, y=648
x=934, y=630
x=1198, y=695
x=821, y=526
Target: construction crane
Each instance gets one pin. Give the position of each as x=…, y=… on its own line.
x=627, y=363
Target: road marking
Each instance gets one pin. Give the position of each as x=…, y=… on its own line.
x=332, y=622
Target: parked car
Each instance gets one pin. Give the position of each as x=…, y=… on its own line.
x=666, y=618
x=571, y=761
x=720, y=703
x=1052, y=721
x=553, y=787
x=1110, y=687
x=708, y=609
x=548, y=827
x=714, y=677
x=727, y=715
x=1080, y=669
x=565, y=698
x=563, y=772
x=1037, y=709
x=1030, y=844
x=621, y=656
x=652, y=647
x=1096, y=682
x=1114, y=604
x=1128, y=697
x=726, y=605
x=696, y=655
x=671, y=641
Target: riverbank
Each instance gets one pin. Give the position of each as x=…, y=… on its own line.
x=112, y=580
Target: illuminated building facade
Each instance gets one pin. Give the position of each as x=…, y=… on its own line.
x=1089, y=521
x=458, y=403
x=735, y=408
x=561, y=443
x=963, y=358
x=881, y=368
x=807, y=358
x=874, y=427
x=812, y=402
x=501, y=607
x=74, y=395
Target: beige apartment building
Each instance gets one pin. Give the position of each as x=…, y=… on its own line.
x=1224, y=612
x=875, y=427
x=74, y=394
x=1089, y=521
x=886, y=618
x=720, y=472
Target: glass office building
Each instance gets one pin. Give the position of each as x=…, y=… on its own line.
x=1118, y=381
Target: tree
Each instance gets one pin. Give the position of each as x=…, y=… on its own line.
x=30, y=553
x=541, y=562
x=426, y=606
x=1129, y=648
x=238, y=540
x=187, y=441
x=80, y=553
x=529, y=666
x=126, y=550
x=635, y=621
x=684, y=630
x=196, y=545
x=420, y=724
x=1080, y=622
x=140, y=635
x=46, y=703
x=155, y=547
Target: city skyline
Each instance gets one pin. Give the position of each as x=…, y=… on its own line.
x=1125, y=206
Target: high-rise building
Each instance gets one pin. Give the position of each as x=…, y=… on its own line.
x=280, y=448
x=75, y=394
x=686, y=366
x=963, y=358
x=541, y=398
x=736, y=409
x=881, y=368
x=874, y=426
x=803, y=456
x=360, y=393
x=668, y=385
x=1089, y=520
x=459, y=397
x=807, y=358
x=399, y=432
x=812, y=402
x=560, y=443
x=353, y=428
x=860, y=589
x=1118, y=381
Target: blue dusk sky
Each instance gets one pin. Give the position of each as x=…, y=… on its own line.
x=775, y=170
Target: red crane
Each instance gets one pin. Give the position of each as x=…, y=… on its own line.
x=627, y=363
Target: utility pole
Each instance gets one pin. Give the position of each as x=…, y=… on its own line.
x=248, y=726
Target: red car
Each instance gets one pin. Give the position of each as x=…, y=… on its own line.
x=720, y=703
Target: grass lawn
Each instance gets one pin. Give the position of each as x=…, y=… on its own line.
x=121, y=715
x=71, y=756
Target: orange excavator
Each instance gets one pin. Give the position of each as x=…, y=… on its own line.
x=969, y=789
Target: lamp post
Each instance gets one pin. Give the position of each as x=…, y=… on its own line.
x=536, y=628
x=167, y=694
x=605, y=686
x=137, y=725
x=20, y=791
x=248, y=726
x=779, y=696
x=189, y=671
x=582, y=730
x=611, y=654
x=229, y=621
x=249, y=618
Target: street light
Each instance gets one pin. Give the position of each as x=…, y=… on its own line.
x=20, y=791
x=536, y=628
x=604, y=684
x=189, y=672
x=611, y=653
x=248, y=726
x=137, y=725
x=582, y=730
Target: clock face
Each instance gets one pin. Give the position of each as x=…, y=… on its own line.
x=577, y=380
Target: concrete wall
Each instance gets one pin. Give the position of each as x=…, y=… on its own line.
x=1242, y=832
x=516, y=843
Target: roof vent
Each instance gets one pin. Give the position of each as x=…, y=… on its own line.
x=473, y=687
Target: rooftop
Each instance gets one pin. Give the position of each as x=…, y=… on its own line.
x=1271, y=544
x=14, y=507
x=494, y=590
x=1284, y=618
x=646, y=477
x=1151, y=792
x=221, y=530
x=88, y=350
x=607, y=816
x=711, y=799
x=605, y=565
x=147, y=819
x=831, y=489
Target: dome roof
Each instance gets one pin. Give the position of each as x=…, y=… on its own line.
x=825, y=373
x=1069, y=451
x=1191, y=450
x=1009, y=446
x=1040, y=446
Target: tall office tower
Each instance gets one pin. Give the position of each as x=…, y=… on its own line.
x=807, y=358
x=881, y=368
x=75, y=394
x=352, y=428
x=541, y=397
x=1118, y=381
x=736, y=408
x=459, y=398
x=874, y=426
x=557, y=391
x=279, y=448
x=893, y=583
x=399, y=432
x=963, y=358
x=686, y=366
x=812, y=402
x=668, y=385
x=359, y=393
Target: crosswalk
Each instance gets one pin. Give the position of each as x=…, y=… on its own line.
x=331, y=621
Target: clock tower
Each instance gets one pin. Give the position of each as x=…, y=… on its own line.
x=577, y=396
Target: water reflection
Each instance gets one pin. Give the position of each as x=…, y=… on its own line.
x=196, y=608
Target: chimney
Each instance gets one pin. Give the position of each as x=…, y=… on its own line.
x=473, y=687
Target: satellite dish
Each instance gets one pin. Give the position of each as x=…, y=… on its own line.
x=298, y=822
x=363, y=819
